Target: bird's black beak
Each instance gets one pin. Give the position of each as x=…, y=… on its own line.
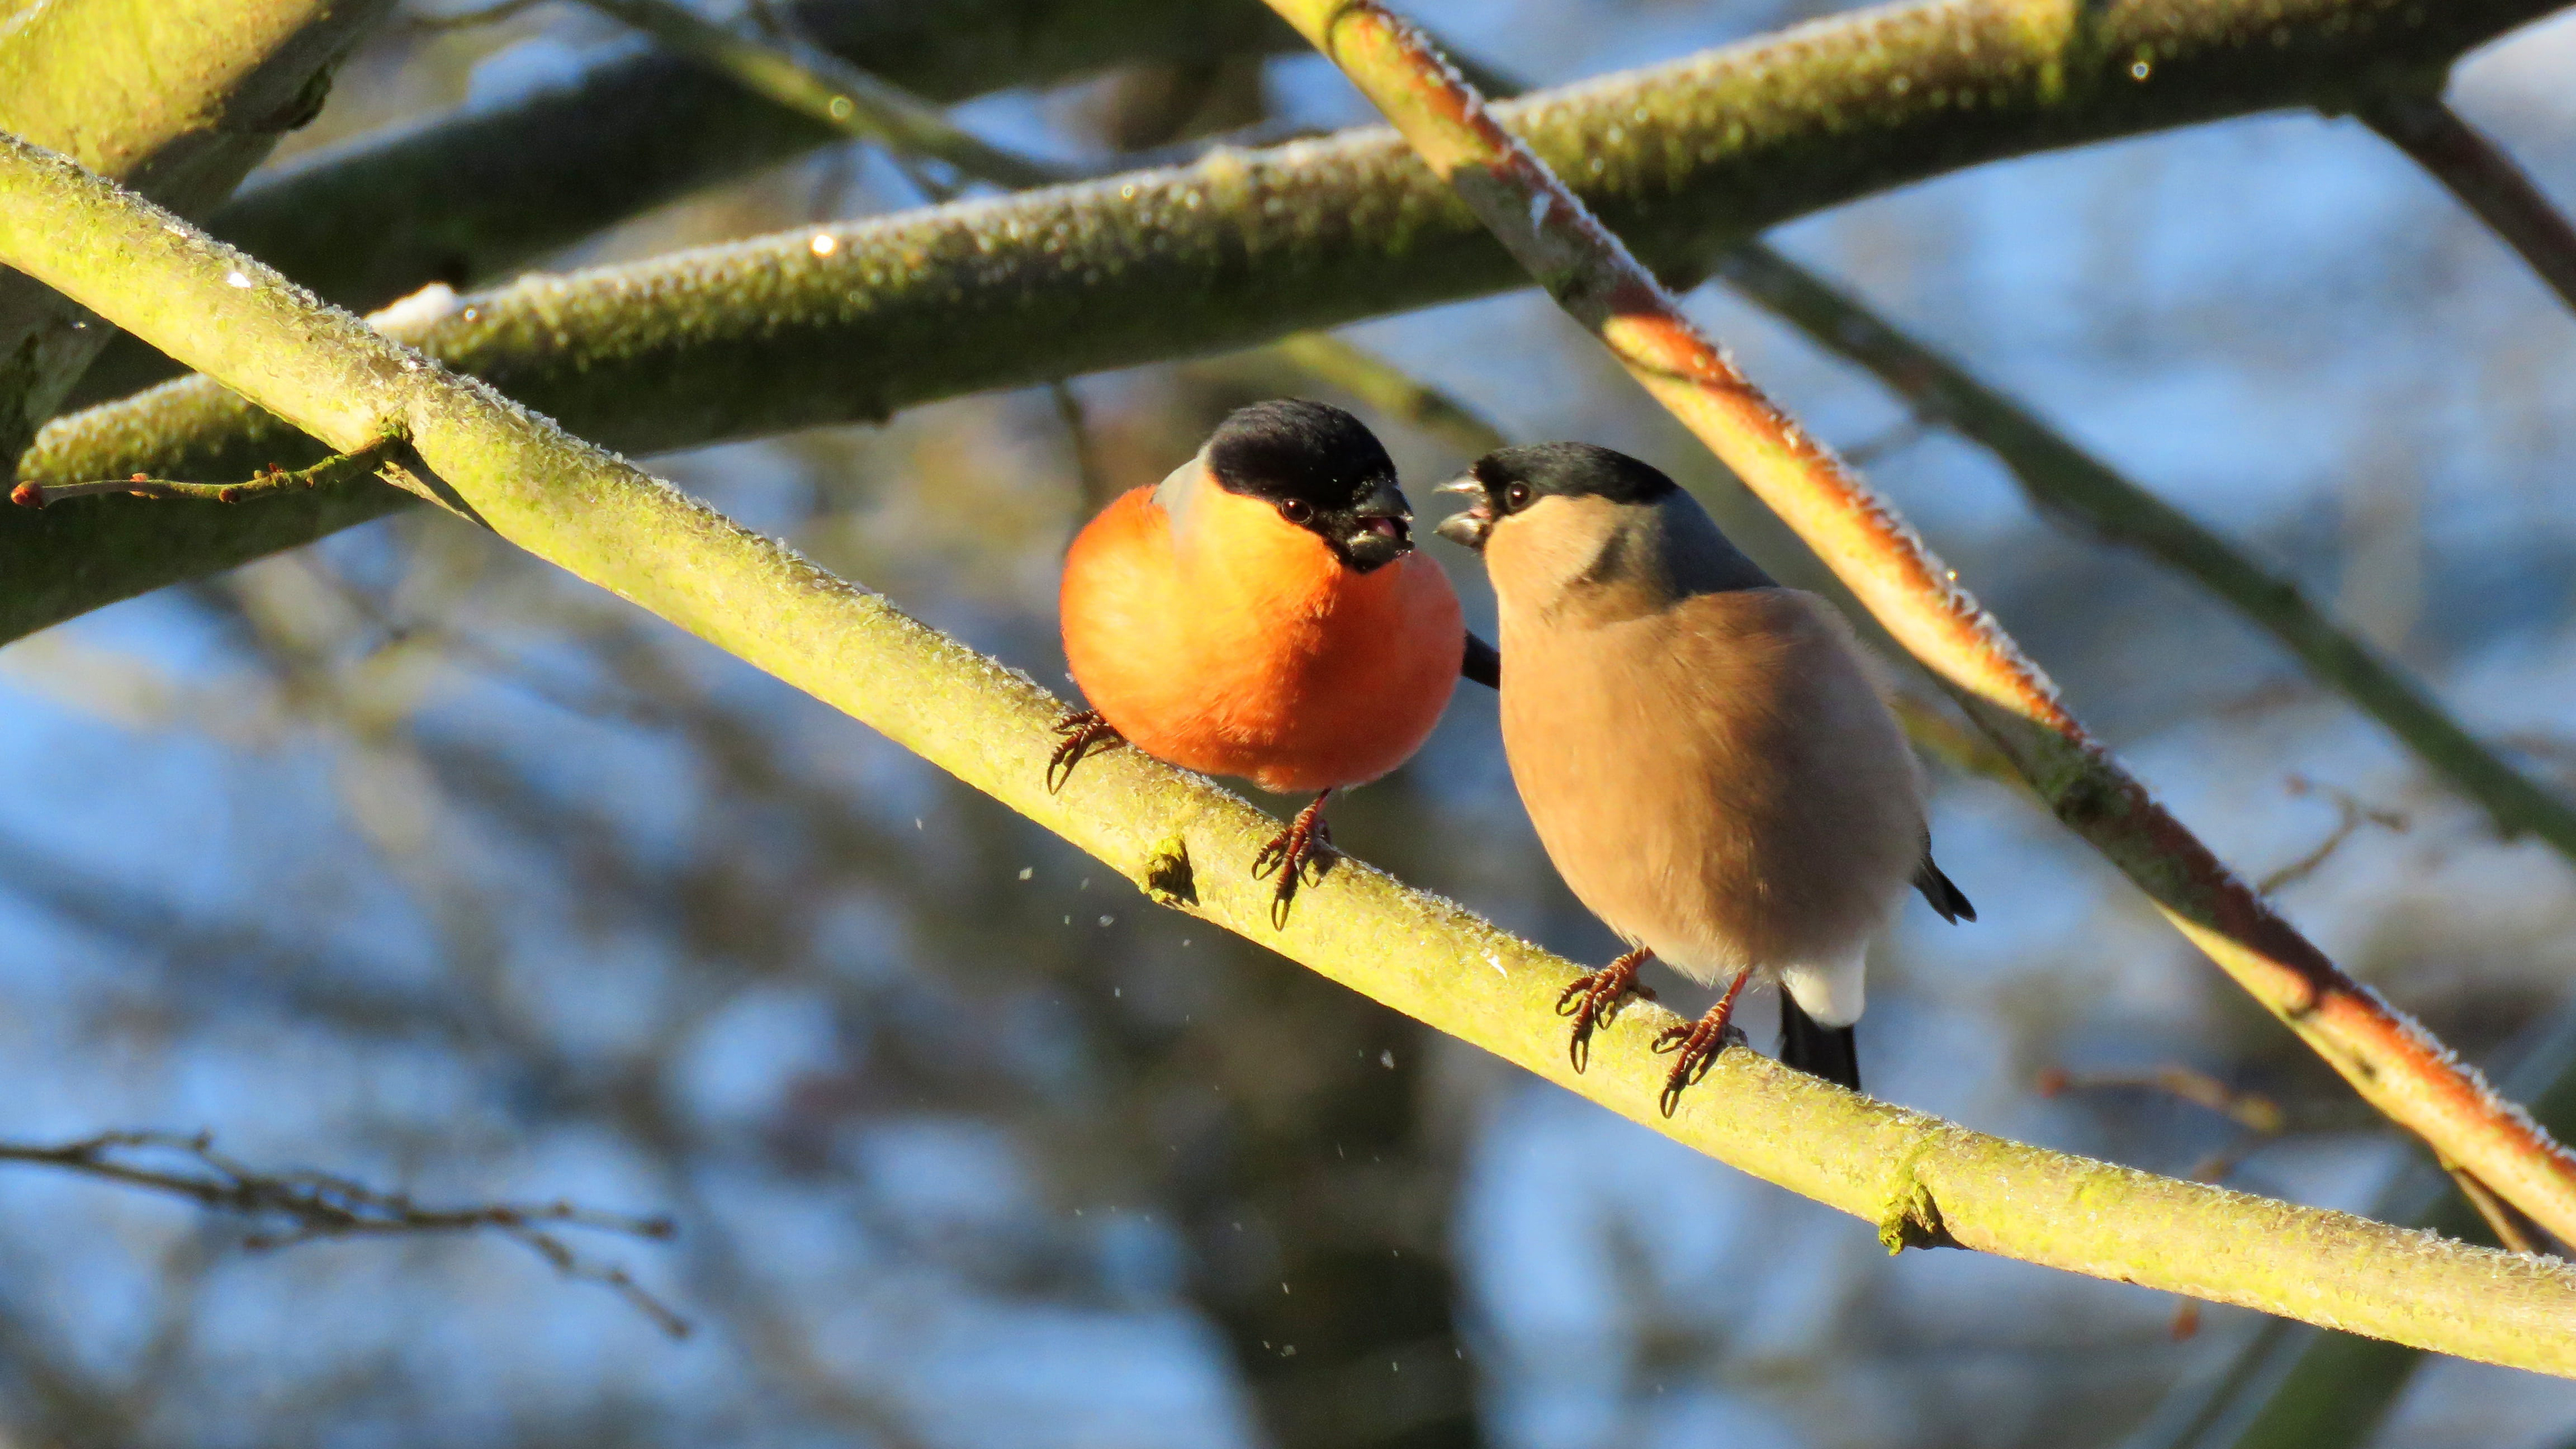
x=1471, y=527
x=1380, y=529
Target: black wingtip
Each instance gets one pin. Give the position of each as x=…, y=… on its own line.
x=1483, y=663
x=1830, y=1052
x=1943, y=895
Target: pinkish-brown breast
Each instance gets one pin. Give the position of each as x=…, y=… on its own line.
x=1715, y=779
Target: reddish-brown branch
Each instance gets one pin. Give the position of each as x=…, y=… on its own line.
x=2388, y=1058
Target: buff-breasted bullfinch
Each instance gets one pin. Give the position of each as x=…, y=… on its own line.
x=1261, y=612
x=1701, y=751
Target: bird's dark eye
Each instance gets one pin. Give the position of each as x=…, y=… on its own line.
x=1296, y=510
x=1516, y=497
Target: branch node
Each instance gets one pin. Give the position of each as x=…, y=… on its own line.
x=1167, y=876
x=269, y=480
x=1912, y=1218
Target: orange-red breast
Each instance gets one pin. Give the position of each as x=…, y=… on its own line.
x=1261, y=612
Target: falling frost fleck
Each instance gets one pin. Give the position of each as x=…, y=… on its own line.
x=1386, y=1059
x=1027, y=871
x=1108, y=920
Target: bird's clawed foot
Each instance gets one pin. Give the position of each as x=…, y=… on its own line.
x=1697, y=1045
x=1306, y=841
x=1593, y=998
x=1084, y=732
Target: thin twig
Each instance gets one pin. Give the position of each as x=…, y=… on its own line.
x=820, y=85
x=2484, y=178
x=304, y=1207
x=2501, y=1219
x=267, y=483
x=2386, y=1055
x=1097, y=486
x=420, y=20
x=2250, y=1110
x=2352, y=815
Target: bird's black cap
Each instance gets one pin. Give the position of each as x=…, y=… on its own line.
x=1572, y=470
x=1324, y=469
x=1291, y=448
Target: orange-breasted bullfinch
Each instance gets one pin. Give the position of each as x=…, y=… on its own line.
x=1261, y=612
x=1701, y=751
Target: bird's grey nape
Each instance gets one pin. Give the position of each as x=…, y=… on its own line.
x=1669, y=550
x=1701, y=558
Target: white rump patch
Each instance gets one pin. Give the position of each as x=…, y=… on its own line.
x=1832, y=992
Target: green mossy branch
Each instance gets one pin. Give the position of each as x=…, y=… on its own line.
x=483, y=192
x=178, y=98
x=486, y=190
x=598, y=517
x=765, y=336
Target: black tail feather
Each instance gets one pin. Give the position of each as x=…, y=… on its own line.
x=1483, y=663
x=1945, y=897
x=1830, y=1052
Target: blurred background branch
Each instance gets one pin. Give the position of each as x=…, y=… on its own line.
x=2484, y=178
x=304, y=1206
x=822, y=87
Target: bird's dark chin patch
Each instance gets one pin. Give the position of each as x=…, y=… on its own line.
x=1373, y=543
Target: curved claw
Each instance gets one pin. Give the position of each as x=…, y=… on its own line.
x=1697, y=1045
x=1306, y=842
x=1085, y=732
x=1593, y=999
